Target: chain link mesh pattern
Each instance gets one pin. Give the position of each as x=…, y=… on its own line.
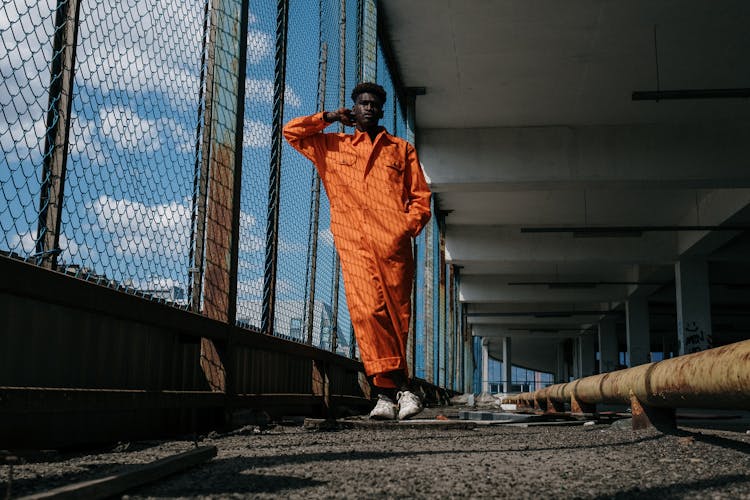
x=256, y=158
x=330, y=18
x=294, y=216
x=419, y=306
x=26, y=33
x=129, y=186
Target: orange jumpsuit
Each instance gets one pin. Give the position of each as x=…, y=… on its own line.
x=379, y=200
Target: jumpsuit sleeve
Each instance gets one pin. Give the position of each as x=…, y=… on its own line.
x=418, y=205
x=304, y=135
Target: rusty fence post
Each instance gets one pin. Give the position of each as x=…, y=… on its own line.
x=321, y=385
x=62, y=76
x=225, y=182
x=202, y=158
x=369, y=41
x=315, y=202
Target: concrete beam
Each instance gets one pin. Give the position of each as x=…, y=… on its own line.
x=707, y=156
x=572, y=207
x=728, y=207
x=530, y=353
x=487, y=289
x=530, y=308
x=504, y=244
x=538, y=324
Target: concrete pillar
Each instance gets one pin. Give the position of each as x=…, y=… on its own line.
x=587, y=354
x=693, y=305
x=485, y=367
x=560, y=376
x=507, y=365
x=639, y=337
x=609, y=353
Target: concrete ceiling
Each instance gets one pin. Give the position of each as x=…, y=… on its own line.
x=510, y=63
x=528, y=123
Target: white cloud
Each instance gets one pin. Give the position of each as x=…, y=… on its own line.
x=256, y=134
x=290, y=247
x=247, y=220
x=138, y=229
x=156, y=283
x=249, y=240
x=23, y=138
x=250, y=288
x=259, y=46
x=128, y=130
x=325, y=237
x=82, y=134
x=26, y=36
x=253, y=289
x=26, y=243
x=262, y=91
x=160, y=52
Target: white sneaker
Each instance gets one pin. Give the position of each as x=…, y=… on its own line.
x=385, y=409
x=409, y=404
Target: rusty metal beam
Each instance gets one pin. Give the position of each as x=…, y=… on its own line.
x=716, y=378
x=22, y=279
x=54, y=400
x=321, y=385
x=57, y=400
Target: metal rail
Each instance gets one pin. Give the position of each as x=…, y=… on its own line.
x=112, y=366
x=717, y=378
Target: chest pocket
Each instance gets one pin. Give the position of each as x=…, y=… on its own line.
x=343, y=158
x=342, y=173
x=394, y=168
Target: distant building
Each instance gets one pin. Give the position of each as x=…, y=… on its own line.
x=291, y=322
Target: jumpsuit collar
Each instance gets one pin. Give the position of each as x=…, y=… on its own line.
x=360, y=136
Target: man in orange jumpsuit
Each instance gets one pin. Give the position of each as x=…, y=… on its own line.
x=379, y=201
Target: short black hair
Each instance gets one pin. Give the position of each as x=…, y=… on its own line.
x=369, y=88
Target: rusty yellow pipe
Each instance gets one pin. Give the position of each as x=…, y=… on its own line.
x=715, y=378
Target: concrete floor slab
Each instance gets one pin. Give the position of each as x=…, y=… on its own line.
x=594, y=461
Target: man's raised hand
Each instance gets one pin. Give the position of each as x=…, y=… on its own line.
x=343, y=115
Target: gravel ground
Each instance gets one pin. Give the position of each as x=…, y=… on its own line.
x=597, y=461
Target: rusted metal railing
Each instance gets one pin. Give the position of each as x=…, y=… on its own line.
x=716, y=378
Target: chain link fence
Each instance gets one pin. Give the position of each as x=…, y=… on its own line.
x=26, y=34
x=115, y=117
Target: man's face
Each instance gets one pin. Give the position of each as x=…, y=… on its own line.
x=368, y=110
